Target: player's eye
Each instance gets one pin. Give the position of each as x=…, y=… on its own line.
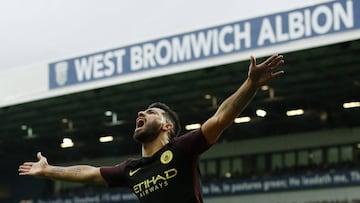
x=150, y=112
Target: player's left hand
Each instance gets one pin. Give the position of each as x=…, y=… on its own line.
x=259, y=74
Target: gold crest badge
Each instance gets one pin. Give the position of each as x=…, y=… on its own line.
x=166, y=157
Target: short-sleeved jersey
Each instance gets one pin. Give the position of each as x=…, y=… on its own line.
x=170, y=175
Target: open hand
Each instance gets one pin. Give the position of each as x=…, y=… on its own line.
x=34, y=168
x=263, y=72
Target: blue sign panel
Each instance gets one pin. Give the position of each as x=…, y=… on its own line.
x=323, y=19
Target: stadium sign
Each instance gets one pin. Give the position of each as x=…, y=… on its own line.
x=233, y=38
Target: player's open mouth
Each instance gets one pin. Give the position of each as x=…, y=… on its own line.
x=140, y=122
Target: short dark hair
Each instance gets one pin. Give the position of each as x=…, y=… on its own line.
x=171, y=115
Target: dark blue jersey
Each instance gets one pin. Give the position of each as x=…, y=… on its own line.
x=170, y=175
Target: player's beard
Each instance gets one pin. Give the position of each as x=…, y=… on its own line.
x=148, y=133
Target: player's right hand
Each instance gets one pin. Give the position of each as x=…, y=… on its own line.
x=34, y=168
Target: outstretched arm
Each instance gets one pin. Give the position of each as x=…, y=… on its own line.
x=236, y=103
x=79, y=173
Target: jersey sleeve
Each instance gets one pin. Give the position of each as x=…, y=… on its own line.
x=193, y=142
x=115, y=175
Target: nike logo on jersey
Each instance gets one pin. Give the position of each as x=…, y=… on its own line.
x=132, y=172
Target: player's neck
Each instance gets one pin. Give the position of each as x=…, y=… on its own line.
x=150, y=148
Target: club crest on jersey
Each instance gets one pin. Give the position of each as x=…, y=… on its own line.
x=166, y=157
x=61, y=70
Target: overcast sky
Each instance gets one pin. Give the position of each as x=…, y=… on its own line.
x=38, y=31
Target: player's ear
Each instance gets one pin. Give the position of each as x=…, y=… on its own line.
x=168, y=126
